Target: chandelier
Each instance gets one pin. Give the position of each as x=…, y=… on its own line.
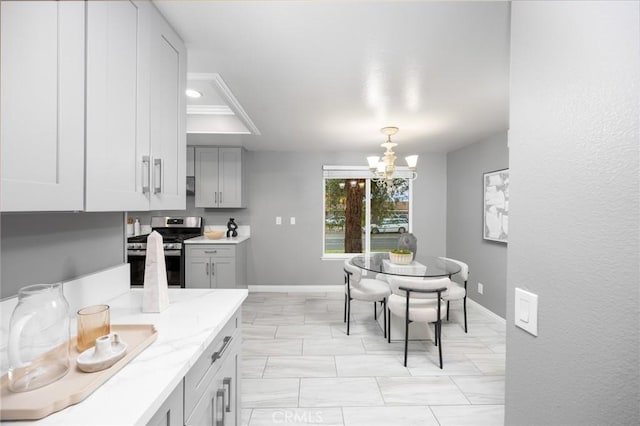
x=383, y=169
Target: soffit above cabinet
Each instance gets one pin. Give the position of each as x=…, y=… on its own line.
x=216, y=111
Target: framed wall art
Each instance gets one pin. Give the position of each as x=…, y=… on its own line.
x=496, y=205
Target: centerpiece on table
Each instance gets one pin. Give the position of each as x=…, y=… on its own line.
x=401, y=256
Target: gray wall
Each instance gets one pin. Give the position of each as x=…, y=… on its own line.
x=487, y=260
x=290, y=184
x=66, y=245
x=575, y=213
x=210, y=216
x=52, y=247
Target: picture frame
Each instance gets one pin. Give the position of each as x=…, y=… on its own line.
x=495, y=223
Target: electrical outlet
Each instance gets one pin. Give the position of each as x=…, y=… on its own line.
x=278, y=220
x=292, y=220
x=480, y=288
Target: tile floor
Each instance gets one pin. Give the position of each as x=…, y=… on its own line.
x=299, y=367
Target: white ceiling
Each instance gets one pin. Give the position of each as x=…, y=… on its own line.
x=327, y=75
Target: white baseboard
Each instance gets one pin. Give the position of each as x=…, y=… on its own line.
x=487, y=311
x=296, y=288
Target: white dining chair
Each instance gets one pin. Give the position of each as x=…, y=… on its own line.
x=418, y=300
x=458, y=291
x=365, y=290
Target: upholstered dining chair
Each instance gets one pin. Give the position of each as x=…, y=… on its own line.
x=458, y=291
x=365, y=290
x=418, y=300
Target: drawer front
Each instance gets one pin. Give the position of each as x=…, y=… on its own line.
x=212, y=251
x=220, y=400
x=203, y=371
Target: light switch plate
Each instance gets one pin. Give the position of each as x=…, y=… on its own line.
x=278, y=220
x=292, y=220
x=526, y=311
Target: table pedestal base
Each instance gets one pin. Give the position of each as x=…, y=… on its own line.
x=417, y=330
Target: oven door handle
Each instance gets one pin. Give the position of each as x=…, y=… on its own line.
x=172, y=253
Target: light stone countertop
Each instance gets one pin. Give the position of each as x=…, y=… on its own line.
x=204, y=240
x=185, y=329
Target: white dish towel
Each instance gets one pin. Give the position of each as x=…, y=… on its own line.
x=156, y=290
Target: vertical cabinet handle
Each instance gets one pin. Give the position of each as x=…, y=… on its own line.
x=216, y=197
x=213, y=265
x=226, y=383
x=220, y=408
x=220, y=197
x=157, y=175
x=146, y=174
x=207, y=268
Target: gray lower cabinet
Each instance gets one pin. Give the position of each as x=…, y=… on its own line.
x=215, y=266
x=209, y=394
x=172, y=410
x=212, y=391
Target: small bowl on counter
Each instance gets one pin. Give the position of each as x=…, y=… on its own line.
x=214, y=235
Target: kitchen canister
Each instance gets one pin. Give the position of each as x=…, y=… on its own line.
x=39, y=337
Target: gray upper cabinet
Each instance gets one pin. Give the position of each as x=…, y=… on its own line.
x=220, y=177
x=118, y=105
x=110, y=139
x=42, y=104
x=136, y=74
x=167, y=121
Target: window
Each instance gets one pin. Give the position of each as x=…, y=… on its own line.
x=361, y=215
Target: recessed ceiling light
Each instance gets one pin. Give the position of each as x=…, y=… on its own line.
x=193, y=93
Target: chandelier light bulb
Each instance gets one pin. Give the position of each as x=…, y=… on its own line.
x=412, y=161
x=383, y=169
x=373, y=162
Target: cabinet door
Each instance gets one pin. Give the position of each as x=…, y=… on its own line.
x=167, y=117
x=198, y=272
x=220, y=402
x=231, y=386
x=206, y=177
x=117, y=106
x=224, y=272
x=171, y=412
x=230, y=177
x=42, y=105
x=210, y=408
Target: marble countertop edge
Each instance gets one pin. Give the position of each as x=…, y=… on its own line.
x=204, y=240
x=185, y=329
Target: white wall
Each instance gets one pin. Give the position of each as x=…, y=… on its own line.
x=575, y=213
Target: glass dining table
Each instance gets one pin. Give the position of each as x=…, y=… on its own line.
x=427, y=267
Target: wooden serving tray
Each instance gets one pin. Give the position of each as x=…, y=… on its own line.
x=75, y=385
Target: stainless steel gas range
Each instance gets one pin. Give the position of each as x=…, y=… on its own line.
x=174, y=231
